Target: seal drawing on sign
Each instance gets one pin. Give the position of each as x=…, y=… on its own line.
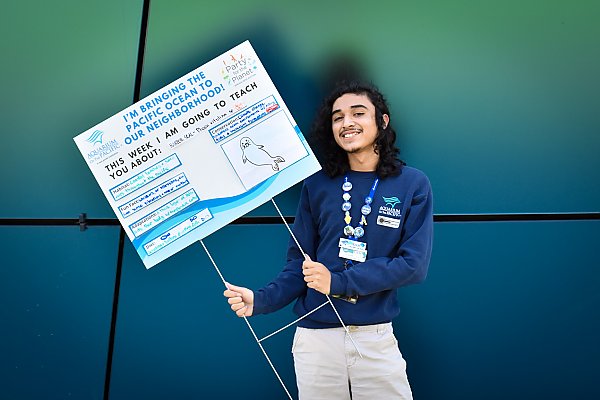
x=256, y=154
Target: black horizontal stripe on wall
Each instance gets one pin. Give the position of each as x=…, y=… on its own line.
x=84, y=222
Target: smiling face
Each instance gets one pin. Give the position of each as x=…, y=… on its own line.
x=354, y=125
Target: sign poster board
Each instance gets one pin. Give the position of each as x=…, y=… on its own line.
x=197, y=154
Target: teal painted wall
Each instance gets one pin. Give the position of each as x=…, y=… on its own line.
x=57, y=293
x=497, y=102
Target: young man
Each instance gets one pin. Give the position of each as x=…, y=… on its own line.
x=366, y=224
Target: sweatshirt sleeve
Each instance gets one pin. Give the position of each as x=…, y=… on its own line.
x=289, y=283
x=410, y=263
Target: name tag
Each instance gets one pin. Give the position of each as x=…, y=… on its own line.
x=352, y=244
x=388, y=222
x=353, y=254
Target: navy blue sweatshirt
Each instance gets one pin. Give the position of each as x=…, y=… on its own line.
x=398, y=234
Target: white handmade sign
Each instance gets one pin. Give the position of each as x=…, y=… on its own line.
x=197, y=154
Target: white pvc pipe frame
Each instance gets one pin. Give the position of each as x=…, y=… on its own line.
x=258, y=341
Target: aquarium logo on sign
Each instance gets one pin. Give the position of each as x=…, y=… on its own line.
x=95, y=137
x=100, y=150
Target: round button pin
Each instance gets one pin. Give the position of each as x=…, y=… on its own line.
x=359, y=232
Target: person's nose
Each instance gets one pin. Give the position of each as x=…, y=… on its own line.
x=348, y=122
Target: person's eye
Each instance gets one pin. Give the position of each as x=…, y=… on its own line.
x=336, y=119
x=359, y=114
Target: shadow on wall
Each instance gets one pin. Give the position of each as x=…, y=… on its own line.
x=301, y=90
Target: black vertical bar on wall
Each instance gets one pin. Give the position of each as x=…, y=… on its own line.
x=113, y=319
x=136, y=97
x=141, y=50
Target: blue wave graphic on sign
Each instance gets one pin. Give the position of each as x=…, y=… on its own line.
x=214, y=205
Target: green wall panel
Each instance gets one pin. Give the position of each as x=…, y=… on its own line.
x=176, y=336
x=508, y=311
x=56, y=295
x=497, y=306
x=497, y=102
x=66, y=66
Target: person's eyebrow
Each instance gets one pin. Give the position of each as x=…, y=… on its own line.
x=354, y=106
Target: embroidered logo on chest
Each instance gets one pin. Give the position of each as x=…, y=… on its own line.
x=389, y=208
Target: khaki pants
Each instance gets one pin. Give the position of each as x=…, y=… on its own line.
x=329, y=367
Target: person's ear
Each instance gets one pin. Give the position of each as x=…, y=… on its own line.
x=386, y=120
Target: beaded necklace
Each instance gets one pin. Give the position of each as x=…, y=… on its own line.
x=351, y=248
x=357, y=232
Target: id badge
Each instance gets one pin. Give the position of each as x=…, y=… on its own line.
x=355, y=251
x=352, y=250
x=352, y=244
x=352, y=254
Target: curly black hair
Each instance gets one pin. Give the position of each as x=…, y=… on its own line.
x=332, y=157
